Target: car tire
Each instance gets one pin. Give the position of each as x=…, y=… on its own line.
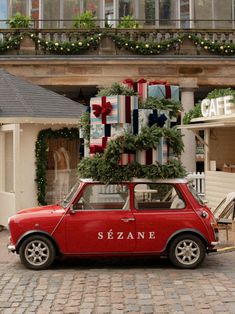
x=37, y=252
x=187, y=251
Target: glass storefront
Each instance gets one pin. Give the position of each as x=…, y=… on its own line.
x=162, y=13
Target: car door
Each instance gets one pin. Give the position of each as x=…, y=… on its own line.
x=160, y=211
x=101, y=221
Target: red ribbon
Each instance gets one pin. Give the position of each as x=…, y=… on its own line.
x=104, y=109
x=99, y=148
x=128, y=81
x=167, y=87
x=142, y=80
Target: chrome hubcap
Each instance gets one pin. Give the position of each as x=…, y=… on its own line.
x=37, y=252
x=187, y=252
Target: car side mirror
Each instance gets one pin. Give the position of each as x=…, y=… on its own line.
x=71, y=210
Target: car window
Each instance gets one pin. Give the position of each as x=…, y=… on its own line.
x=70, y=195
x=154, y=196
x=104, y=197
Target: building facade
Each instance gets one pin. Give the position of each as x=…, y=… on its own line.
x=192, y=41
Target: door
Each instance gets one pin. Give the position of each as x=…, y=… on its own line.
x=101, y=221
x=160, y=211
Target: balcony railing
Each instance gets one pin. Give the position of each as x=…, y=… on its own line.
x=115, y=41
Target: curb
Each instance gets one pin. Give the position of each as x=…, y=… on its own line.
x=226, y=249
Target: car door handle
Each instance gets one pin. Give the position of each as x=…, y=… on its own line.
x=127, y=219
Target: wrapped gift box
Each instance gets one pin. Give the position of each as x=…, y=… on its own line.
x=109, y=130
x=150, y=156
x=112, y=109
x=163, y=91
x=148, y=117
x=141, y=87
x=126, y=159
x=98, y=145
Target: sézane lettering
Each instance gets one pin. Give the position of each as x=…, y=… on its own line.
x=120, y=235
x=217, y=106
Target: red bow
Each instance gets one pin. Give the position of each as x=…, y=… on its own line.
x=128, y=81
x=99, y=148
x=104, y=109
x=142, y=80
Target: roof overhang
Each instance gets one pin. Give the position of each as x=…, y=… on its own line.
x=207, y=123
x=38, y=120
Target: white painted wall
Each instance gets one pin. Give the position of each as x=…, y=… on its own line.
x=25, y=194
x=217, y=185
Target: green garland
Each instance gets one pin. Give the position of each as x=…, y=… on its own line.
x=145, y=48
x=92, y=41
x=65, y=47
x=175, y=107
x=11, y=42
x=105, y=167
x=219, y=48
x=41, y=156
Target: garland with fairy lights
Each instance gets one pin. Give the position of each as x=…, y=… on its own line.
x=92, y=41
x=10, y=42
x=220, y=48
x=145, y=48
x=41, y=156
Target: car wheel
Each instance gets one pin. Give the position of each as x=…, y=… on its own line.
x=37, y=252
x=187, y=251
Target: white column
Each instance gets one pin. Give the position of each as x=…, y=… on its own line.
x=188, y=157
x=2, y=161
x=16, y=164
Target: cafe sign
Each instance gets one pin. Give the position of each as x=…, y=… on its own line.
x=222, y=106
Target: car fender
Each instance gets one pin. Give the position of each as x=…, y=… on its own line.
x=182, y=231
x=33, y=232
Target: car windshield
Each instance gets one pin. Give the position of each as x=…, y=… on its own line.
x=195, y=194
x=70, y=195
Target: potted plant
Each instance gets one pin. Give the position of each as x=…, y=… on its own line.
x=19, y=21
x=128, y=21
x=85, y=20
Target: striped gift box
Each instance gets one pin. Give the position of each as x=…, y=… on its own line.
x=141, y=118
x=121, y=108
x=150, y=156
x=126, y=159
x=164, y=91
x=109, y=130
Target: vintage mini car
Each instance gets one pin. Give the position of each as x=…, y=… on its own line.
x=141, y=217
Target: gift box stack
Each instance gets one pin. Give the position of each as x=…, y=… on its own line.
x=149, y=117
x=110, y=116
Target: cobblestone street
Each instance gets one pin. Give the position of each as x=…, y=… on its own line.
x=117, y=286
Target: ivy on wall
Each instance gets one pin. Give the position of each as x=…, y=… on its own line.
x=91, y=40
x=41, y=156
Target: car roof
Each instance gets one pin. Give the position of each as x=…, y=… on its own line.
x=143, y=180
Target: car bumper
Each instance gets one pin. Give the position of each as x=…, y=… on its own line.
x=11, y=248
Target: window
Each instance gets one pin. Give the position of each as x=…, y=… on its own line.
x=223, y=14
x=168, y=13
x=184, y=14
x=104, y=197
x=71, y=9
x=155, y=196
x=19, y=6
x=109, y=13
x=3, y=13
x=126, y=7
x=203, y=14
x=51, y=13
x=94, y=6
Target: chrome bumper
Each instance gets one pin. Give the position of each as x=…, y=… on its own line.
x=214, y=243
x=11, y=248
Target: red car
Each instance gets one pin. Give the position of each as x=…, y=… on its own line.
x=142, y=217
